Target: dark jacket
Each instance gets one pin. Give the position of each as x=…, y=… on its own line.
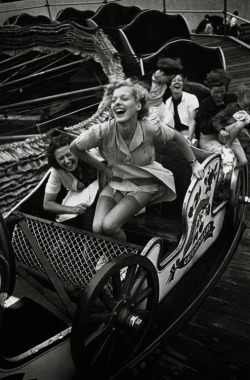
x=208, y=109
x=225, y=117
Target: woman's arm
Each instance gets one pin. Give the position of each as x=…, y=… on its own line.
x=50, y=204
x=91, y=159
x=220, y=119
x=192, y=125
x=183, y=145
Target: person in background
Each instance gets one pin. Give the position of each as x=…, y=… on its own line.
x=218, y=81
x=78, y=178
x=157, y=83
x=183, y=106
x=127, y=144
x=234, y=29
x=208, y=25
x=229, y=123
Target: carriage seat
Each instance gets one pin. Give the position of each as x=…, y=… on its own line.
x=145, y=34
x=197, y=60
x=74, y=14
x=150, y=29
x=112, y=16
x=144, y=227
x=115, y=15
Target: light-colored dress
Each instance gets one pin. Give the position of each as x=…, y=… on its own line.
x=135, y=164
x=189, y=102
x=157, y=108
x=59, y=178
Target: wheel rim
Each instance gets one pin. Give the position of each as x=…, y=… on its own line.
x=114, y=314
x=6, y=247
x=238, y=192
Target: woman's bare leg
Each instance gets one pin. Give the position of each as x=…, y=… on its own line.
x=103, y=207
x=239, y=153
x=121, y=213
x=233, y=130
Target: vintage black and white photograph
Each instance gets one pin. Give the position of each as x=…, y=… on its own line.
x=124, y=190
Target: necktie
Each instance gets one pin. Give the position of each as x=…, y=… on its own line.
x=177, y=121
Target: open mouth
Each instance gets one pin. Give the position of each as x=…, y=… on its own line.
x=177, y=86
x=120, y=111
x=70, y=165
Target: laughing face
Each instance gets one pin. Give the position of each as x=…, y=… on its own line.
x=66, y=159
x=176, y=85
x=123, y=105
x=218, y=93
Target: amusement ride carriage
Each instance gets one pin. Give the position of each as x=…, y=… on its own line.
x=74, y=302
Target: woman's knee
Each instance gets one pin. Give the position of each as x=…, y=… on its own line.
x=110, y=227
x=238, y=126
x=242, y=161
x=97, y=227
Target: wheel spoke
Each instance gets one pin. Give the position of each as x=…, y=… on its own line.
x=140, y=281
x=100, y=333
x=106, y=298
x=105, y=322
x=105, y=350
x=117, y=286
x=144, y=295
x=129, y=280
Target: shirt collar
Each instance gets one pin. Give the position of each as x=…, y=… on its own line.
x=135, y=142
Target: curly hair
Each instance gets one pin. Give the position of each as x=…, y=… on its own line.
x=217, y=78
x=55, y=143
x=169, y=66
x=139, y=91
x=243, y=93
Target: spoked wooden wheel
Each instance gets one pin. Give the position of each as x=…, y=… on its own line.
x=238, y=193
x=6, y=252
x=114, y=314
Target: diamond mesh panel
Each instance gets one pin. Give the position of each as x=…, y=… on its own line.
x=73, y=255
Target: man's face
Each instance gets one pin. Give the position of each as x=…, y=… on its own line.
x=161, y=77
x=218, y=93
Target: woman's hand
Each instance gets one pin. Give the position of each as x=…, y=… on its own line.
x=197, y=169
x=79, y=209
x=109, y=173
x=224, y=133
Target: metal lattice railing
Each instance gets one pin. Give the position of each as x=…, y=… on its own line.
x=74, y=255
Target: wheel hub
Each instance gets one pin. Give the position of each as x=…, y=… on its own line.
x=124, y=316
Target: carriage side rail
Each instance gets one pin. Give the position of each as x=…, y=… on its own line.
x=73, y=254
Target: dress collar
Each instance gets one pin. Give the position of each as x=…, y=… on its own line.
x=137, y=139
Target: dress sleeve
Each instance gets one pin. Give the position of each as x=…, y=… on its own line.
x=92, y=137
x=193, y=103
x=219, y=120
x=54, y=183
x=163, y=133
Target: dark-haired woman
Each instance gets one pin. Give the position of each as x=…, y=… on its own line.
x=183, y=106
x=77, y=177
x=158, y=83
x=127, y=144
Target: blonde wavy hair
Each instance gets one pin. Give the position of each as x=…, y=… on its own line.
x=139, y=91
